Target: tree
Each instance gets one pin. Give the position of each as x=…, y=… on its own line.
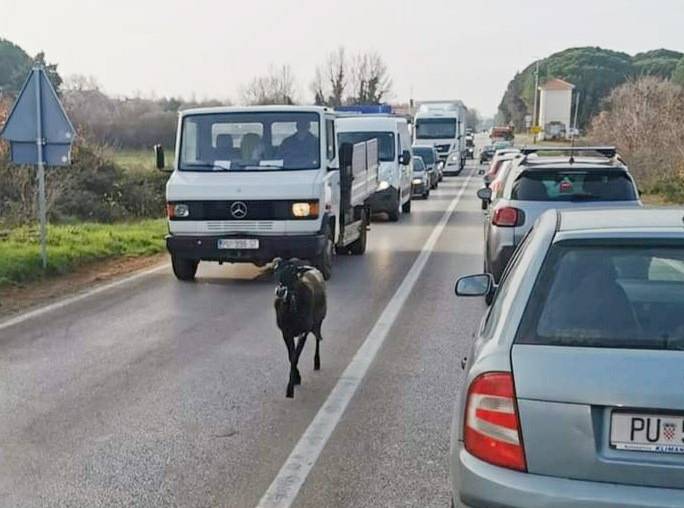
x=14, y=66
x=331, y=80
x=473, y=119
x=594, y=72
x=643, y=118
x=370, y=80
x=275, y=87
x=678, y=73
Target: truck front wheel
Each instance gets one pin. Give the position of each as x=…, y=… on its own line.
x=358, y=246
x=406, y=207
x=323, y=262
x=396, y=212
x=183, y=268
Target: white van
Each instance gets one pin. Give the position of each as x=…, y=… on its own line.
x=393, y=195
x=254, y=183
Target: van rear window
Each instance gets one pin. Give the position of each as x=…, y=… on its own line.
x=573, y=185
x=617, y=296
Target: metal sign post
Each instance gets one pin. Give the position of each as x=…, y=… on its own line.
x=40, y=134
x=42, y=212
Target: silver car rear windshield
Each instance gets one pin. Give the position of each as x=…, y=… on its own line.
x=573, y=185
x=613, y=295
x=250, y=141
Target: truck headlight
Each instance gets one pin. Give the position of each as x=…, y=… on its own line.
x=305, y=209
x=383, y=185
x=454, y=156
x=174, y=210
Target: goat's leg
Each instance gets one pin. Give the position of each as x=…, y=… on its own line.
x=317, y=354
x=290, y=344
x=298, y=351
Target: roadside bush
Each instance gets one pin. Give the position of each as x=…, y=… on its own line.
x=644, y=119
x=93, y=188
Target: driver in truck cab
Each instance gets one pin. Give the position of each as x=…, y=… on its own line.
x=301, y=148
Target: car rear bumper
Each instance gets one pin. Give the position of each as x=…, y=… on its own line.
x=479, y=484
x=205, y=248
x=385, y=200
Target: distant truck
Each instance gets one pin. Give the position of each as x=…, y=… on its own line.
x=442, y=124
x=254, y=183
x=501, y=134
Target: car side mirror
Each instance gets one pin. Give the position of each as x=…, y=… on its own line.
x=405, y=158
x=474, y=285
x=480, y=172
x=159, y=157
x=485, y=194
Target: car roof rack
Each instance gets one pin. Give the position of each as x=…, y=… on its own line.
x=608, y=152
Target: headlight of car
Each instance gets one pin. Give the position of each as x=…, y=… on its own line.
x=417, y=180
x=180, y=210
x=383, y=185
x=305, y=209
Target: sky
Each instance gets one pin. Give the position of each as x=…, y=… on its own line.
x=435, y=49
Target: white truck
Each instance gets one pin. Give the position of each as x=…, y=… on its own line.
x=442, y=124
x=249, y=184
x=393, y=194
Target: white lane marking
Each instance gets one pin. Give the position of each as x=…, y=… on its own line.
x=73, y=299
x=286, y=485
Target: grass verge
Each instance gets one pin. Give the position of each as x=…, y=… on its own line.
x=71, y=246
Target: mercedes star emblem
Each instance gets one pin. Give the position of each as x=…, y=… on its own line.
x=238, y=210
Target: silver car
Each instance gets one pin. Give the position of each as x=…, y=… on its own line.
x=536, y=183
x=574, y=393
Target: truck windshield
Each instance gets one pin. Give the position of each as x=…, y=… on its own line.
x=250, y=141
x=435, y=128
x=385, y=141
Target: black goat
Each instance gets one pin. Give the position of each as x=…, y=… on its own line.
x=301, y=306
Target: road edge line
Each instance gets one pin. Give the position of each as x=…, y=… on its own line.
x=291, y=477
x=16, y=320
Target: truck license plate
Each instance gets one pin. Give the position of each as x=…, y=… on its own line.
x=661, y=433
x=238, y=243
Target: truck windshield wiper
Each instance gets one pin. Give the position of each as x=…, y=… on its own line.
x=206, y=164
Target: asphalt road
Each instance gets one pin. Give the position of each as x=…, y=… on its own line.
x=162, y=393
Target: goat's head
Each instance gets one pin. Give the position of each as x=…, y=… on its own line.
x=286, y=275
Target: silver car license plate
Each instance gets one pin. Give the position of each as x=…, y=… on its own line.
x=238, y=243
x=662, y=433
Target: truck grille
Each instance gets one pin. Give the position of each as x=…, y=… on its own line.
x=239, y=225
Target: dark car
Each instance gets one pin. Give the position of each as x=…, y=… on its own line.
x=431, y=159
x=487, y=153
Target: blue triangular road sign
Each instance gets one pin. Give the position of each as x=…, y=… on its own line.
x=21, y=127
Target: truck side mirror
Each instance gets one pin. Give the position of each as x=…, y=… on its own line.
x=159, y=156
x=405, y=158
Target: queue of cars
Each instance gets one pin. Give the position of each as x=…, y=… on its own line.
x=573, y=393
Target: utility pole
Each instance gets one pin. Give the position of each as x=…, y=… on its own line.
x=577, y=99
x=536, y=91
